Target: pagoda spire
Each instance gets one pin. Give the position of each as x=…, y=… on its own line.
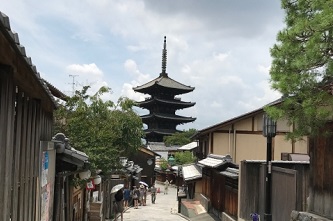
x=164, y=59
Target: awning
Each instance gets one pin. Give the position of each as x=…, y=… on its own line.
x=191, y=172
x=231, y=172
x=215, y=161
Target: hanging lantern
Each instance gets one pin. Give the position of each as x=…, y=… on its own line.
x=97, y=179
x=84, y=175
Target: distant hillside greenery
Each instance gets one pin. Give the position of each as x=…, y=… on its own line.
x=179, y=139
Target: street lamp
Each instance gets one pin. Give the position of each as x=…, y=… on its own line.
x=269, y=131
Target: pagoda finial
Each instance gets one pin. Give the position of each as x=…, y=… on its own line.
x=164, y=58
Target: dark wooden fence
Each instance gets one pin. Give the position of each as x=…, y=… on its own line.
x=321, y=175
x=222, y=192
x=289, y=189
x=23, y=124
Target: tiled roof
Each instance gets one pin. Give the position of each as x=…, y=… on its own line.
x=235, y=119
x=278, y=161
x=164, y=81
x=173, y=102
x=191, y=172
x=215, y=161
x=168, y=116
x=55, y=91
x=189, y=146
x=14, y=40
x=160, y=131
x=160, y=146
x=231, y=172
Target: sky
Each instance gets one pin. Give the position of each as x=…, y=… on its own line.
x=220, y=47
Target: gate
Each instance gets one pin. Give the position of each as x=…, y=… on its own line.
x=283, y=193
x=289, y=188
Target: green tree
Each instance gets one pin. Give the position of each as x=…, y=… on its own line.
x=184, y=157
x=179, y=138
x=302, y=66
x=164, y=164
x=102, y=129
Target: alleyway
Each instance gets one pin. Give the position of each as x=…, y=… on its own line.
x=164, y=209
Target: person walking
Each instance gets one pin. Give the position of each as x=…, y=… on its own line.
x=127, y=195
x=119, y=196
x=166, y=186
x=135, y=196
x=153, y=193
x=142, y=194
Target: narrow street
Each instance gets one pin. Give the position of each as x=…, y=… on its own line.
x=164, y=209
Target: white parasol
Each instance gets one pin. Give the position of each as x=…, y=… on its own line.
x=141, y=182
x=116, y=188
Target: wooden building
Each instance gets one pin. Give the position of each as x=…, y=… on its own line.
x=70, y=199
x=162, y=104
x=219, y=185
x=146, y=159
x=242, y=138
x=26, y=119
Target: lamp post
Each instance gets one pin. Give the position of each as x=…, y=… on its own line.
x=269, y=131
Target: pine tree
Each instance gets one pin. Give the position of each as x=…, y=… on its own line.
x=302, y=67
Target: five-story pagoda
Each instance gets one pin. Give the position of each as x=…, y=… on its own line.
x=162, y=104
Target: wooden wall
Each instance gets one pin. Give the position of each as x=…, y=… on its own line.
x=321, y=174
x=289, y=189
x=23, y=124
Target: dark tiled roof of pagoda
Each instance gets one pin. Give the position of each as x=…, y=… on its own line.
x=165, y=82
x=168, y=117
x=161, y=131
x=176, y=102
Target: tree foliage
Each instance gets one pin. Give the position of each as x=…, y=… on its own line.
x=102, y=129
x=185, y=157
x=302, y=66
x=179, y=139
x=164, y=164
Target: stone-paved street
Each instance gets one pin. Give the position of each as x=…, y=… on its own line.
x=164, y=209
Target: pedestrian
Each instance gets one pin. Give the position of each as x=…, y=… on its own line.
x=153, y=193
x=166, y=186
x=127, y=195
x=142, y=193
x=135, y=196
x=119, y=196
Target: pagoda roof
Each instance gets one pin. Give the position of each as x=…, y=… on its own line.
x=163, y=81
x=160, y=131
x=176, y=102
x=172, y=117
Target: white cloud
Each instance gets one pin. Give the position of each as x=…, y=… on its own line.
x=90, y=70
x=220, y=47
x=263, y=69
